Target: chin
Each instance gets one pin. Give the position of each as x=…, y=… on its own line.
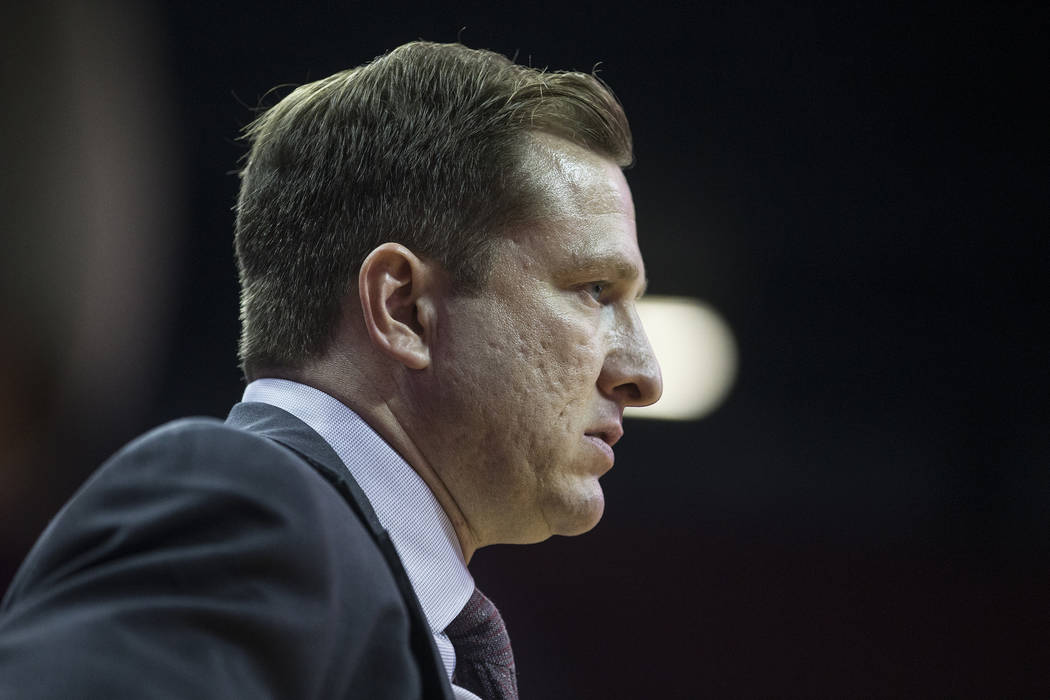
x=581, y=515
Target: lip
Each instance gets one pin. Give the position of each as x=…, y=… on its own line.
x=604, y=447
x=604, y=437
x=610, y=433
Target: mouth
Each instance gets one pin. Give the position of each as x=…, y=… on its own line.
x=603, y=439
x=604, y=448
x=609, y=434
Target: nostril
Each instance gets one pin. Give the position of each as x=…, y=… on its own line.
x=631, y=378
x=648, y=390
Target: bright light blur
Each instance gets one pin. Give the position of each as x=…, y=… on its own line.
x=697, y=354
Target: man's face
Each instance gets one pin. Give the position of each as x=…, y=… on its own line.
x=533, y=373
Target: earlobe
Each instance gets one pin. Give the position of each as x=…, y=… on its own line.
x=391, y=285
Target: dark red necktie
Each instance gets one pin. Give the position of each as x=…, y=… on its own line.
x=484, y=661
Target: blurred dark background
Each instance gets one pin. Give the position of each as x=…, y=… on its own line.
x=859, y=188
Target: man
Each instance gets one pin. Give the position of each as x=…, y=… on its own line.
x=439, y=266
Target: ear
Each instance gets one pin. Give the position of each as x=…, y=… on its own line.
x=394, y=286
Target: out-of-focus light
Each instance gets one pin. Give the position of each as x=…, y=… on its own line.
x=697, y=354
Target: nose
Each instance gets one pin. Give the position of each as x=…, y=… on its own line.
x=631, y=373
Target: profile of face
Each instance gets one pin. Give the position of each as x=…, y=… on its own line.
x=531, y=375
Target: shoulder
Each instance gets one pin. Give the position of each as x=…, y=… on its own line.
x=200, y=483
x=195, y=446
x=205, y=458
x=201, y=553
x=199, y=461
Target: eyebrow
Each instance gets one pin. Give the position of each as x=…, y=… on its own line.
x=623, y=268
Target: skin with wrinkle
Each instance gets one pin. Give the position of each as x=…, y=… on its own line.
x=550, y=351
x=506, y=401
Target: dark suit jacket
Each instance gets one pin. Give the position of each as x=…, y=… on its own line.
x=212, y=560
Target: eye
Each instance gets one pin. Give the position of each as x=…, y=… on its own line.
x=595, y=290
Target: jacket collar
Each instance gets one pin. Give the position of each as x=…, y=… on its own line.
x=284, y=428
x=287, y=430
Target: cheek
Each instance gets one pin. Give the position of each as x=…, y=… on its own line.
x=562, y=358
x=538, y=360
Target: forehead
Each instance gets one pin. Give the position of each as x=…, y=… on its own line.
x=576, y=182
x=585, y=213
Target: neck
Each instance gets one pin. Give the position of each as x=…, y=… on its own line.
x=384, y=420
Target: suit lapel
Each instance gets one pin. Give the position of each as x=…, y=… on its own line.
x=285, y=429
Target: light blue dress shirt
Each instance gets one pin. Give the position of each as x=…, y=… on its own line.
x=419, y=528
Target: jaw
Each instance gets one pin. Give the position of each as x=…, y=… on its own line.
x=576, y=506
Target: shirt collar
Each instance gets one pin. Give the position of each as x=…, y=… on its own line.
x=419, y=528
